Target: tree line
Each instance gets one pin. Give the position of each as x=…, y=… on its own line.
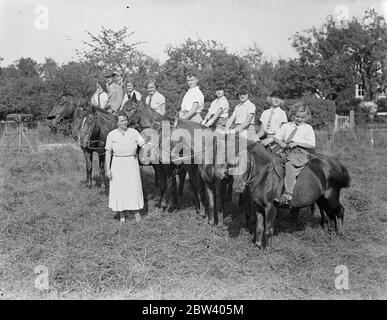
x=331, y=60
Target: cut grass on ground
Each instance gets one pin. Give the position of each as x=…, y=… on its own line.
x=49, y=219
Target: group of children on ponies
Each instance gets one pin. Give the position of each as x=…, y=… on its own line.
x=296, y=138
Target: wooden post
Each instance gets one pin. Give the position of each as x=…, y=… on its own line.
x=336, y=125
x=352, y=118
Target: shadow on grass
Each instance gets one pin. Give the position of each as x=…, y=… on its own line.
x=284, y=222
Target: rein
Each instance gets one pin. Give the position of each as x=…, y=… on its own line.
x=250, y=177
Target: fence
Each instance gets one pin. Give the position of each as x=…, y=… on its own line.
x=365, y=120
x=19, y=136
x=30, y=137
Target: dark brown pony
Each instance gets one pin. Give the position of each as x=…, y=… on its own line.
x=93, y=127
x=71, y=112
x=319, y=182
x=209, y=182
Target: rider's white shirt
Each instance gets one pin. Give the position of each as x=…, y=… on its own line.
x=193, y=95
x=279, y=116
x=157, y=101
x=219, y=103
x=304, y=133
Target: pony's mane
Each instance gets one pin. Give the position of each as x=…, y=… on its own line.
x=263, y=153
x=105, y=117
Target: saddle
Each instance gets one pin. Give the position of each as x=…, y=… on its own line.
x=280, y=159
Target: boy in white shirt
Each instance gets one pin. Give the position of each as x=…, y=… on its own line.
x=193, y=100
x=300, y=138
x=242, y=119
x=272, y=118
x=218, y=112
x=130, y=93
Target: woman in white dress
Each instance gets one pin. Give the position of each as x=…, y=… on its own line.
x=123, y=171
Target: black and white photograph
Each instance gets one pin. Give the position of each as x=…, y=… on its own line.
x=210, y=151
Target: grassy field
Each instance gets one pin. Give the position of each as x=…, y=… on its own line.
x=48, y=219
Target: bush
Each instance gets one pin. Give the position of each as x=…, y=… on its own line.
x=323, y=111
x=382, y=105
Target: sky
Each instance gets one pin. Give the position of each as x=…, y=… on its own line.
x=57, y=28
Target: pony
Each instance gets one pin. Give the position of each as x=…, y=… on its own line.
x=64, y=113
x=209, y=183
x=319, y=182
x=72, y=112
x=93, y=127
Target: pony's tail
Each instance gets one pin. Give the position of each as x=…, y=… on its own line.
x=343, y=179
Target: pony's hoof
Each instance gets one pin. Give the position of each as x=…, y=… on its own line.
x=258, y=244
x=172, y=208
x=211, y=222
x=122, y=219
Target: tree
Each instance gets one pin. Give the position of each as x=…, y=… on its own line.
x=27, y=67
x=113, y=50
x=211, y=61
x=21, y=88
x=336, y=57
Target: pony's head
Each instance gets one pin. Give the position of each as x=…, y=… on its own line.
x=139, y=114
x=65, y=109
x=241, y=167
x=57, y=113
x=79, y=116
x=88, y=127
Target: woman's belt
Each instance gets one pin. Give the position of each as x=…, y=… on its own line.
x=129, y=155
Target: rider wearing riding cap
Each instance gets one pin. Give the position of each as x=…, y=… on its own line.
x=272, y=118
x=115, y=93
x=299, y=137
x=218, y=112
x=243, y=116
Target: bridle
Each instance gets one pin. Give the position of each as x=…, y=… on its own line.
x=250, y=177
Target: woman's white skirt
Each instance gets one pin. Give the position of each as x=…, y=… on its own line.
x=125, y=188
